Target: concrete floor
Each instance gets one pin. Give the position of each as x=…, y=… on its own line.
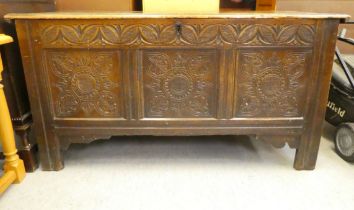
x=178, y=173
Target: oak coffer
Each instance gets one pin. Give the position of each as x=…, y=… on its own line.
x=93, y=76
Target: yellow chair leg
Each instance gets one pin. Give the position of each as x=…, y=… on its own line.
x=14, y=169
x=6, y=180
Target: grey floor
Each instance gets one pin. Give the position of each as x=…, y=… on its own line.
x=177, y=173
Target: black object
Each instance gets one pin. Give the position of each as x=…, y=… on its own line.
x=340, y=107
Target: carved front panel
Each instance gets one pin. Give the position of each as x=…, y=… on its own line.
x=271, y=83
x=177, y=67
x=85, y=84
x=180, y=83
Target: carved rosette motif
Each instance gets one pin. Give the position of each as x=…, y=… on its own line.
x=178, y=84
x=270, y=84
x=190, y=34
x=85, y=84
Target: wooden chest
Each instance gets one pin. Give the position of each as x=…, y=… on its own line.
x=93, y=76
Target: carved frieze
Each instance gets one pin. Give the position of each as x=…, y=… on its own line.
x=187, y=34
x=270, y=83
x=179, y=84
x=84, y=84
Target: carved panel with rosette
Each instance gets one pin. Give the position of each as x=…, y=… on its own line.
x=85, y=84
x=271, y=83
x=180, y=83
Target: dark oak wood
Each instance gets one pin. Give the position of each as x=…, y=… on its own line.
x=14, y=81
x=92, y=77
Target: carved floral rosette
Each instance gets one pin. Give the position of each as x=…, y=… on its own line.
x=179, y=84
x=271, y=83
x=84, y=84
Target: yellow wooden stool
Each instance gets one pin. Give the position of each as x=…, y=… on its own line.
x=14, y=170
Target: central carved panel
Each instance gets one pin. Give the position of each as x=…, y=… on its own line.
x=180, y=83
x=84, y=84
